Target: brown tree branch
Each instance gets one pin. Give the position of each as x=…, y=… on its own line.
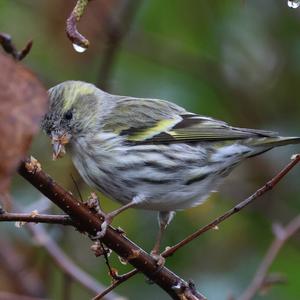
x=268, y=186
x=9, y=47
x=35, y=218
x=87, y=221
x=71, y=28
x=282, y=234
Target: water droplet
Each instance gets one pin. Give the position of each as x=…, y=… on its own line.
x=78, y=48
x=293, y=3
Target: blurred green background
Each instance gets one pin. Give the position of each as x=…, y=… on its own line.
x=233, y=60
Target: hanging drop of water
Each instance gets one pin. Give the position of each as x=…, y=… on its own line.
x=78, y=48
x=293, y=3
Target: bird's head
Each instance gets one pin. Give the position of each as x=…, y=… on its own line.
x=74, y=110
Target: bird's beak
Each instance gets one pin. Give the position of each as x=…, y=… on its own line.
x=59, y=140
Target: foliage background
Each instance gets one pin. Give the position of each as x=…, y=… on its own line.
x=233, y=60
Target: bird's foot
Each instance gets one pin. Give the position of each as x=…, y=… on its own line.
x=160, y=260
x=108, y=218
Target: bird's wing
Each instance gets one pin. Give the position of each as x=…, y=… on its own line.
x=156, y=121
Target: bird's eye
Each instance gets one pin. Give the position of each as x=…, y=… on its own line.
x=68, y=115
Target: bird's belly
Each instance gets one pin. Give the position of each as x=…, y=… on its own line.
x=164, y=182
x=102, y=179
x=158, y=195
x=180, y=197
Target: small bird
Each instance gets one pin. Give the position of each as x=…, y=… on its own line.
x=147, y=153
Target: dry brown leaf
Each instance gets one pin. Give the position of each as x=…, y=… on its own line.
x=23, y=101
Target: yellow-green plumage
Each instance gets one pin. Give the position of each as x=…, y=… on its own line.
x=147, y=133
x=149, y=149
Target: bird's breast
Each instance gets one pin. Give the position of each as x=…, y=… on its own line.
x=96, y=159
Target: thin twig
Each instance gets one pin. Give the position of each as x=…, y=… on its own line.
x=111, y=271
x=71, y=28
x=35, y=218
x=64, y=262
x=120, y=280
x=268, y=186
x=282, y=234
x=9, y=47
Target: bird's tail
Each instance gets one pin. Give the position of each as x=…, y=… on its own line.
x=271, y=142
x=262, y=145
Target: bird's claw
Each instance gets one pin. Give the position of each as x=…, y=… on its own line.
x=104, y=227
x=101, y=233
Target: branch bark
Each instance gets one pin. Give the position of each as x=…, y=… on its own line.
x=35, y=218
x=71, y=29
x=87, y=221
